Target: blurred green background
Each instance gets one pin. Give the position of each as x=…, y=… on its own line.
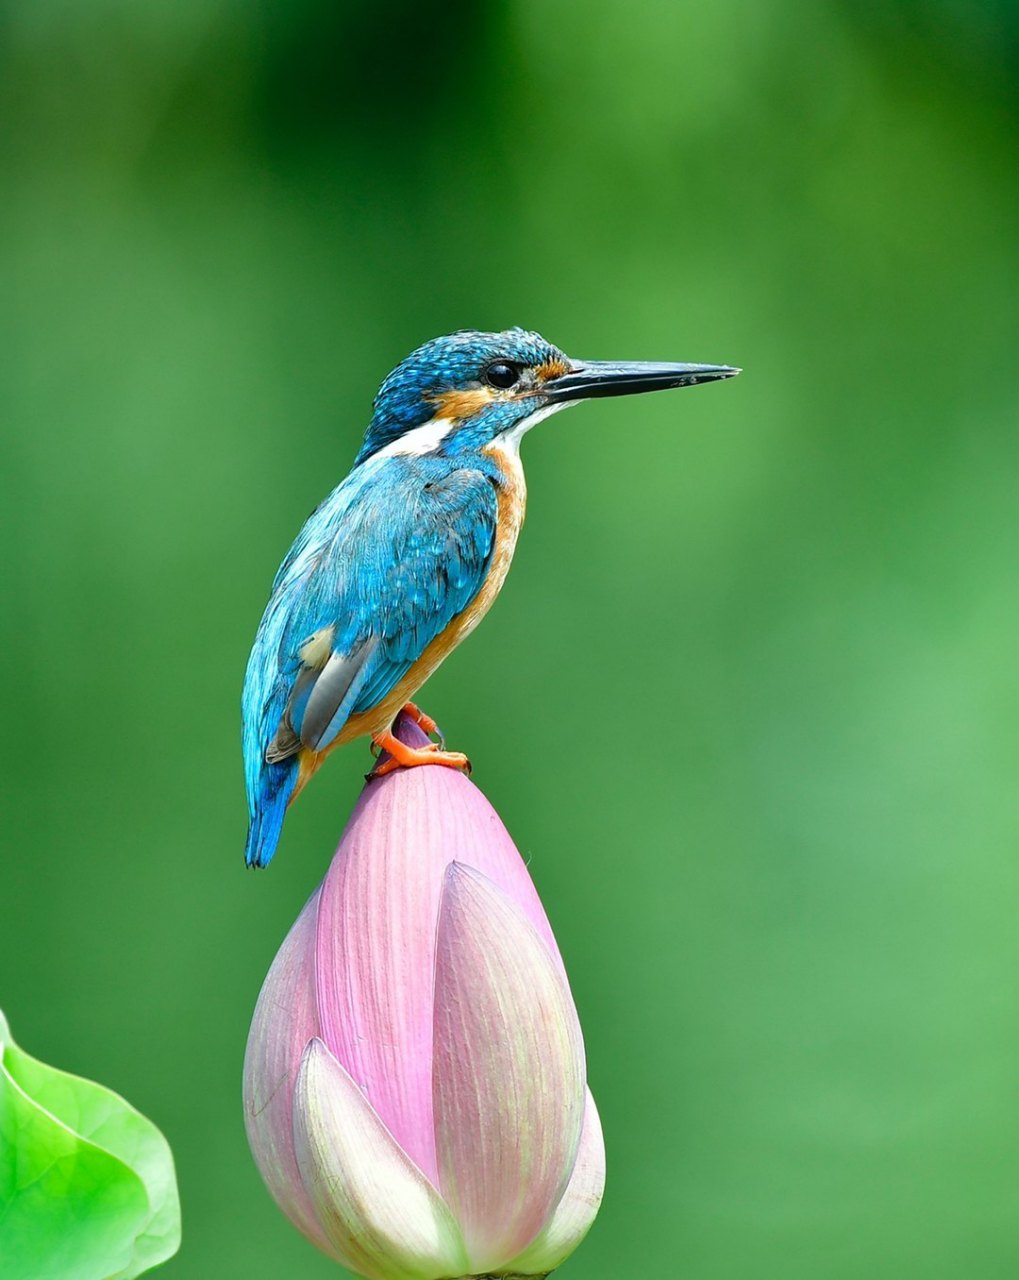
x=750, y=700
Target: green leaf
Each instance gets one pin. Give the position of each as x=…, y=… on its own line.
x=87, y=1187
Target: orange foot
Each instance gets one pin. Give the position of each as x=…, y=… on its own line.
x=424, y=721
x=403, y=757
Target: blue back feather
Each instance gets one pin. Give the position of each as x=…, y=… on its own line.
x=394, y=553
x=391, y=557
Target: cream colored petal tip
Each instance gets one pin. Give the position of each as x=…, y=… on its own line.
x=374, y=1204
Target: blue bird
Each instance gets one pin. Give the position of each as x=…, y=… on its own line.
x=405, y=557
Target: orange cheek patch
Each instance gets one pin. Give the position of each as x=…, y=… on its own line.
x=462, y=404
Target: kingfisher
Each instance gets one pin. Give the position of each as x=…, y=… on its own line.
x=406, y=556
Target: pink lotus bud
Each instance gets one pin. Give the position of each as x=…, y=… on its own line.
x=414, y=1083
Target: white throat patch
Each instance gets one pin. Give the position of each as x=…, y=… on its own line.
x=428, y=437
x=423, y=439
x=511, y=438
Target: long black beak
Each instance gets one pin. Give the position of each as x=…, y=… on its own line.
x=626, y=378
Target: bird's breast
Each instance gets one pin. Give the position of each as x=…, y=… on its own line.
x=512, y=497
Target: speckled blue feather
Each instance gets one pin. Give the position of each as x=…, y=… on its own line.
x=406, y=398
x=392, y=555
x=400, y=550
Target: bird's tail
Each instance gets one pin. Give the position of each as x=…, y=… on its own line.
x=277, y=784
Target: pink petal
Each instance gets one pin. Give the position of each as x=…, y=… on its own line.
x=377, y=1207
x=576, y=1211
x=284, y=1022
x=376, y=932
x=509, y=1070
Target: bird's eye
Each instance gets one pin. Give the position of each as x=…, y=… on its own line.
x=501, y=375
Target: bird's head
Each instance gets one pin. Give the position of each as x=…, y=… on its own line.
x=471, y=389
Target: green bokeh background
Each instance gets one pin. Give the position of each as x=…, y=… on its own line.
x=749, y=702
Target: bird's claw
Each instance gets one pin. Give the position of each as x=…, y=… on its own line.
x=425, y=722
x=402, y=756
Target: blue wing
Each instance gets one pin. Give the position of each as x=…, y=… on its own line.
x=379, y=570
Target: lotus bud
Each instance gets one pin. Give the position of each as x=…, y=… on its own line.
x=414, y=1085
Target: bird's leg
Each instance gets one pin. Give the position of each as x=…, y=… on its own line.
x=424, y=721
x=403, y=757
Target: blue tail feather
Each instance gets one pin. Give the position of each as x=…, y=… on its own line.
x=276, y=786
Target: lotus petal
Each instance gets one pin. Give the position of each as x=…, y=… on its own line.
x=376, y=932
x=576, y=1210
x=508, y=1070
x=285, y=1021
x=377, y=1208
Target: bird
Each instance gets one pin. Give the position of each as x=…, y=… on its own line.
x=406, y=555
